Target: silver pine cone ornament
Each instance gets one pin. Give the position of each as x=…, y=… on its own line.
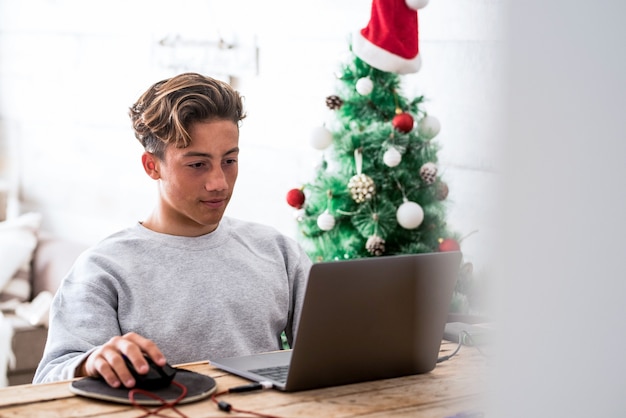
x=428, y=173
x=375, y=245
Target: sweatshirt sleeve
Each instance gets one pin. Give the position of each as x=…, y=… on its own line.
x=298, y=269
x=82, y=317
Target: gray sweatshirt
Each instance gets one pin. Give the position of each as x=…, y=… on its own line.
x=230, y=292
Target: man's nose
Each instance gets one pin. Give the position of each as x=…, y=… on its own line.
x=216, y=180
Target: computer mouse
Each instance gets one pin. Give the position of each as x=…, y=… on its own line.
x=157, y=377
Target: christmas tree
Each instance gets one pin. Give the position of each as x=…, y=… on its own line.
x=378, y=190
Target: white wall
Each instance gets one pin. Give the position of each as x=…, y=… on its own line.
x=561, y=308
x=69, y=70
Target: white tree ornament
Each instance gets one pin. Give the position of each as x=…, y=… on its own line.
x=326, y=221
x=428, y=127
x=321, y=138
x=392, y=157
x=410, y=215
x=364, y=86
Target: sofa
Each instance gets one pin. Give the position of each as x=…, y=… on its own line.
x=51, y=259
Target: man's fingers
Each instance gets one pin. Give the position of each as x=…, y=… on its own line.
x=97, y=365
x=116, y=362
x=146, y=346
x=108, y=361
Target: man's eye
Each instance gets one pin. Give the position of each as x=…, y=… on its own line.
x=230, y=161
x=196, y=165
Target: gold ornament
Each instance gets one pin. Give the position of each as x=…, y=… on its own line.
x=361, y=186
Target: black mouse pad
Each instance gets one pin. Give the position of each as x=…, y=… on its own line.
x=198, y=386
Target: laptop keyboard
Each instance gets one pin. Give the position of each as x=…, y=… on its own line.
x=276, y=373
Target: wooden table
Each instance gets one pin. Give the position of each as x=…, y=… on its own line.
x=454, y=387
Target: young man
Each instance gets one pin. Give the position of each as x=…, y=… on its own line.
x=186, y=284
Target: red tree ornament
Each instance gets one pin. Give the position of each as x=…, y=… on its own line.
x=448, y=244
x=403, y=122
x=295, y=198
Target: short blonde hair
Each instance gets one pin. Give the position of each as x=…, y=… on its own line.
x=163, y=114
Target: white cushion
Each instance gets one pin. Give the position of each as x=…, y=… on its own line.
x=18, y=240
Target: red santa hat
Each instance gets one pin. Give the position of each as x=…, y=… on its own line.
x=390, y=42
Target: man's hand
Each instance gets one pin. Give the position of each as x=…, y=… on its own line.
x=107, y=361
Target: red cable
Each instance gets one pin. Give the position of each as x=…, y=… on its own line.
x=164, y=403
x=172, y=405
x=226, y=407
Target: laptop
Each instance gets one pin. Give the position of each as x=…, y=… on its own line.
x=362, y=319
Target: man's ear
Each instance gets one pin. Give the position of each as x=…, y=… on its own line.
x=150, y=165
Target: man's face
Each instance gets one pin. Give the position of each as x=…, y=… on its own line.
x=196, y=183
